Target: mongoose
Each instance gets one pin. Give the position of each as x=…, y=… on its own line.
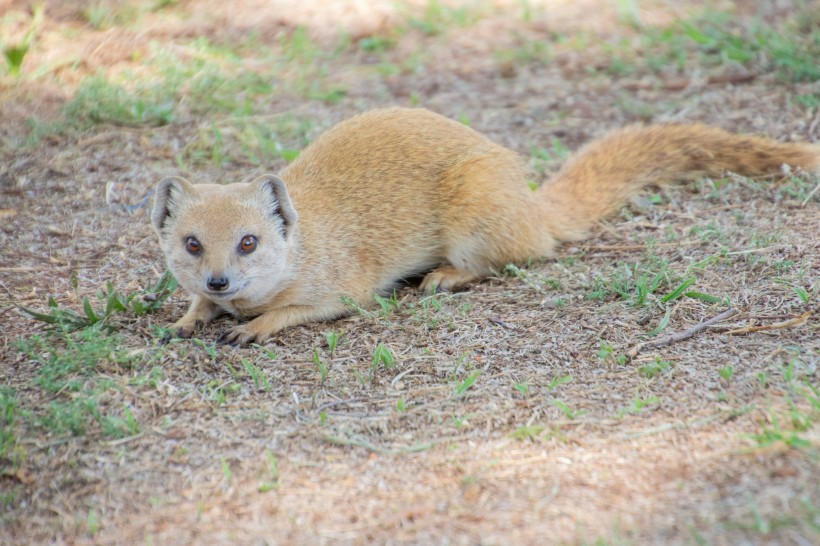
x=396, y=192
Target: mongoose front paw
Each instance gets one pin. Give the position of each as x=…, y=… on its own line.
x=243, y=335
x=183, y=330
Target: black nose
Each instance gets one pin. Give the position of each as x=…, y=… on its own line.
x=219, y=284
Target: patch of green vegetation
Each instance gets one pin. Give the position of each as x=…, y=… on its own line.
x=99, y=100
x=538, y=282
x=558, y=381
x=726, y=373
x=714, y=39
x=527, y=432
x=72, y=366
x=9, y=410
x=247, y=140
x=549, y=159
x=651, y=282
x=635, y=283
x=105, y=14
x=387, y=305
x=377, y=44
x=15, y=53
x=567, y=410
x=809, y=100
x=804, y=519
x=219, y=391
x=112, y=304
x=802, y=188
x=258, y=377
x=607, y=353
x=638, y=404
x=794, y=429
x=200, y=78
x=437, y=17
x=66, y=360
x=208, y=81
x=467, y=383
x=522, y=387
x=651, y=370
x=383, y=357
x=271, y=477
x=303, y=65
x=526, y=52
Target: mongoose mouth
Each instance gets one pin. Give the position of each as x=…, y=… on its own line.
x=221, y=295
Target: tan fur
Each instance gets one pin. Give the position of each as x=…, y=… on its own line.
x=394, y=192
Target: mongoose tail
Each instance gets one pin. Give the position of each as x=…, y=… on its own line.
x=601, y=176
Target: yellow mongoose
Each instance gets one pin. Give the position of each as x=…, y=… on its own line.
x=395, y=192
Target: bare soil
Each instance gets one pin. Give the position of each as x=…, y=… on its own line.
x=559, y=439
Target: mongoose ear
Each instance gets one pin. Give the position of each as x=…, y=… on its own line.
x=168, y=196
x=273, y=192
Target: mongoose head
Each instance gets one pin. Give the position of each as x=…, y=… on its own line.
x=225, y=242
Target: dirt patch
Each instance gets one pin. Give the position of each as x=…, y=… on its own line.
x=506, y=413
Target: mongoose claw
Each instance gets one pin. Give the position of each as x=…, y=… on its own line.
x=177, y=332
x=241, y=336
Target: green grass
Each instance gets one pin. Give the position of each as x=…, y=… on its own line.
x=14, y=53
x=654, y=369
x=794, y=429
x=9, y=410
x=526, y=52
x=527, y=432
x=246, y=140
x=76, y=365
x=383, y=357
x=202, y=78
x=638, y=404
x=713, y=40
x=437, y=17
x=567, y=410
x=206, y=83
x=467, y=383
x=549, y=159
x=110, y=306
x=74, y=368
x=271, y=476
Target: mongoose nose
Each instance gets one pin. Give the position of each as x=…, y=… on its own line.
x=219, y=284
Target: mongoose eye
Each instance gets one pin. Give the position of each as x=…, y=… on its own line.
x=247, y=244
x=193, y=246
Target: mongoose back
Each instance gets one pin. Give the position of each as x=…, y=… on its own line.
x=396, y=192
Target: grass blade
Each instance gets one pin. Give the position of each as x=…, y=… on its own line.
x=678, y=292
x=663, y=323
x=708, y=298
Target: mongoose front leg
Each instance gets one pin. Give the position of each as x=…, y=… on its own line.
x=202, y=311
x=447, y=278
x=267, y=324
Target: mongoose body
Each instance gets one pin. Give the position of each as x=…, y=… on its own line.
x=396, y=192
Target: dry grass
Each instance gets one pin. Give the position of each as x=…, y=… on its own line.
x=510, y=413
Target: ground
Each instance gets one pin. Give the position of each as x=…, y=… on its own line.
x=521, y=411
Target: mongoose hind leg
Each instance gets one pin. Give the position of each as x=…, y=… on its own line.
x=447, y=278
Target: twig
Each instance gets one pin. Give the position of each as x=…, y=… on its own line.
x=810, y=195
x=639, y=247
x=796, y=321
x=754, y=250
x=679, y=336
x=360, y=442
x=502, y=323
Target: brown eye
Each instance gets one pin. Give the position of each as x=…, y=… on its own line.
x=247, y=244
x=193, y=246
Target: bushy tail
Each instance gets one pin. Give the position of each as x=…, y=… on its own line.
x=605, y=173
